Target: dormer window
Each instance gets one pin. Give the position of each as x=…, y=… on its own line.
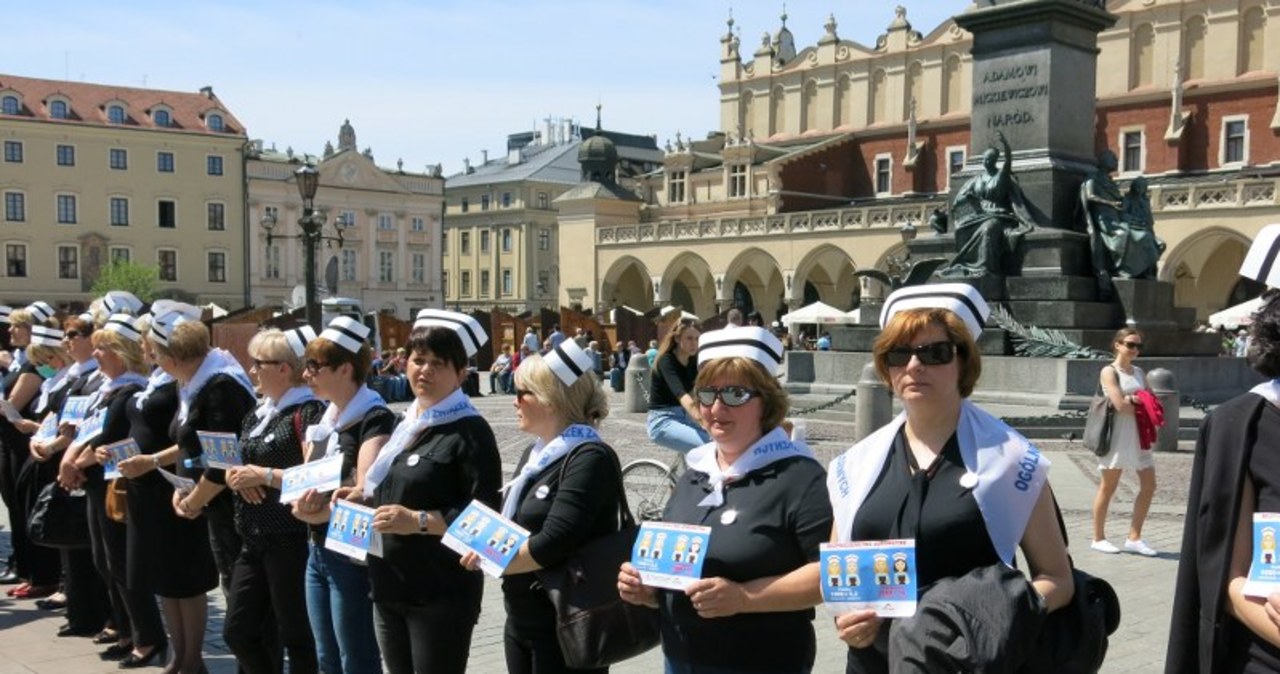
x=161, y=118
x=214, y=122
x=59, y=109
x=115, y=114
x=10, y=105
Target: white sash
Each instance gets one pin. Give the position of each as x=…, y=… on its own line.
x=455, y=406
x=19, y=359
x=773, y=446
x=541, y=456
x=266, y=412
x=48, y=386
x=1010, y=472
x=216, y=362
x=111, y=385
x=158, y=378
x=1269, y=390
x=333, y=421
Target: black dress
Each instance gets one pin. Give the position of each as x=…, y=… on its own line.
x=771, y=523
x=15, y=451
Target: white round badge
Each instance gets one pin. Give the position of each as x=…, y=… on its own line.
x=413, y=460
x=542, y=492
x=729, y=517
x=969, y=480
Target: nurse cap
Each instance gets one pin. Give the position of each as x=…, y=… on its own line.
x=43, y=335
x=298, y=338
x=961, y=299
x=347, y=333
x=568, y=361
x=40, y=310
x=163, y=325
x=122, y=302
x=1260, y=262
x=162, y=307
x=122, y=324
x=469, y=330
x=5, y=310
x=751, y=342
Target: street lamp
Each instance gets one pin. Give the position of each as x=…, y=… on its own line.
x=312, y=226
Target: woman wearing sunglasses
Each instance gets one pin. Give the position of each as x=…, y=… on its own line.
x=674, y=420
x=968, y=488
x=764, y=499
x=1121, y=380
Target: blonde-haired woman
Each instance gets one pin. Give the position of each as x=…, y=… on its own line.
x=675, y=421
x=566, y=492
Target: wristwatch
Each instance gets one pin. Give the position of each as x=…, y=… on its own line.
x=422, y=521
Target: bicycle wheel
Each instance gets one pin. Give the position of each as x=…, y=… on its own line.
x=648, y=485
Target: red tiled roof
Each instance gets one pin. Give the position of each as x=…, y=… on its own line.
x=89, y=101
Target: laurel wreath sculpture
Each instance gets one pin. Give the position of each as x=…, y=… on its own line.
x=1034, y=342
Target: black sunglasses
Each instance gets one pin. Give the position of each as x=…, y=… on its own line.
x=1132, y=346
x=934, y=353
x=313, y=365
x=731, y=396
x=72, y=334
x=259, y=363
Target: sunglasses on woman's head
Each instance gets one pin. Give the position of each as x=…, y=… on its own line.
x=933, y=353
x=731, y=396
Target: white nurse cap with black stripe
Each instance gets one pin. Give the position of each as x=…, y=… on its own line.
x=960, y=299
x=568, y=361
x=751, y=342
x=5, y=310
x=43, y=335
x=122, y=324
x=469, y=330
x=163, y=325
x=298, y=338
x=121, y=302
x=347, y=333
x=1260, y=262
x=40, y=310
x=162, y=307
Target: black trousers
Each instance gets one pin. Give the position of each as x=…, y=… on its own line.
x=10, y=465
x=435, y=638
x=134, y=612
x=87, y=605
x=268, y=588
x=535, y=650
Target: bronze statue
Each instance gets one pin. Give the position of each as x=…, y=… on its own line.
x=991, y=216
x=1121, y=227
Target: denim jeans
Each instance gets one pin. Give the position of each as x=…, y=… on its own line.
x=341, y=614
x=678, y=667
x=672, y=428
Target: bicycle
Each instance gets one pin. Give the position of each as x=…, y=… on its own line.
x=648, y=484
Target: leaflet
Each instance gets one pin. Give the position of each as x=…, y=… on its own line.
x=221, y=450
x=351, y=531
x=48, y=430
x=876, y=575
x=481, y=530
x=117, y=452
x=9, y=411
x=1264, y=570
x=669, y=555
x=75, y=409
x=180, y=484
x=90, y=427
x=322, y=475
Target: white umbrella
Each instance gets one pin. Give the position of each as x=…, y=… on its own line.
x=1234, y=317
x=819, y=313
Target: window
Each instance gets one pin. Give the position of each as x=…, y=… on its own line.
x=544, y=239
x=464, y=243
x=214, y=122
x=120, y=254
x=1235, y=146
x=484, y=202
x=10, y=105
x=167, y=217
x=68, y=262
x=164, y=162
x=506, y=240
x=161, y=118
x=386, y=266
x=66, y=155
x=167, y=260
x=217, y=267
x=544, y=201
x=484, y=282
x=348, y=265
x=675, y=187
x=385, y=222
x=66, y=209
x=506, y=200
x=465, y=291
x=15, y=257
x=217, y=217
x=484, y=241
x=349, y=217
x=884, y=174
x=417, y=225
x=119, y=158
x=272, y=212
x=738, y=180
x=119, y=211
x=464, y=204
x=115, y=114
x=506, y=282
x=444, y=283
x=956, y=157
x=418, y=268
x=444, y=242
x=213, y=165
x=1131, y=147
x=13, y=151
x=59, y=110
x=15, y=206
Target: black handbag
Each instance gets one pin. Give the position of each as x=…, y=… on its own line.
x=59, y=519
x=594, y=626
x=1097, y=427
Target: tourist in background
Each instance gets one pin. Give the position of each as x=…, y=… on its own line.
x=500, y=372
x=674, y=420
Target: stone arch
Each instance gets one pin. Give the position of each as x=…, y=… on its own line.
x=760, y=275
x=1142, y=56
x=876, y=101
x=777, y=111
x=1195, y=31
x=688, y=279
x=828, y=271
x=1203, y=269
x=627, y=283
x=1253, y=29
x=951, y=85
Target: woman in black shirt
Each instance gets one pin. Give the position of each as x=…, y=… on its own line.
x=675, y=421
x=763, y=498
x=267, y=579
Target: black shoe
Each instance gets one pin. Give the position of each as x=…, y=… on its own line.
x=117, y=651
x=51, y=604
x=9, y=577
x=132, y=661
x=70, y=631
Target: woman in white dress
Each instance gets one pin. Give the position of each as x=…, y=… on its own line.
x=1121, y=380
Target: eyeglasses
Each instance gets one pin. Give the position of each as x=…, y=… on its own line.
x=934, y=353
x=1132, y=346
x=72, y=334
x=313, y=365
x=259, y=363
x=521, y=393
x=731, y=396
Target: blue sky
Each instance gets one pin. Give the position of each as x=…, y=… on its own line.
x=427, y=81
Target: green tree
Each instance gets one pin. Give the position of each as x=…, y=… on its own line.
x=139, y=279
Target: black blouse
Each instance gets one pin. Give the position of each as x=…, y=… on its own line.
x=447, y=467
x=149, y=424
x=377, y=421
x=671, y=380
x=115, y=427
x=10, y=436
x=219, y=407
x=278, y=446
x=771, y=523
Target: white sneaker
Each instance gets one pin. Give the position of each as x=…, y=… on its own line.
x=1104, y=546
x=1140, y=547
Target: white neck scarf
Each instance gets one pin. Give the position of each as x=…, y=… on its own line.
x=19, y=359
x=49, y=386
x=453, y=407
x=1010, y=472
x=158, y=378
x=773, y=446
x=1269, y=390
x=114, y=384
x=216, y=362
x=266, y=412
x=541, y=456
x=364, y=400
x=78, y=368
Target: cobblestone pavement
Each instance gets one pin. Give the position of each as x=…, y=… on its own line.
x=1145, y=586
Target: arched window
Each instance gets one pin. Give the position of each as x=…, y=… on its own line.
x=748, y=113
x=161, y=118
x=844, y=101
x=11, y=105
x=875, y=112
x=1193, y=47
x=810, y=105
x=214, y=122
x=1252, y=37
x=778, y=111
x=115, y=114
x=914, y=88
x=58, y=109
x=1142, y=56
x=951, y=85
x=742, y=298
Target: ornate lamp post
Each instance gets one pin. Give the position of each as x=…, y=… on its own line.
x=312, y=226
